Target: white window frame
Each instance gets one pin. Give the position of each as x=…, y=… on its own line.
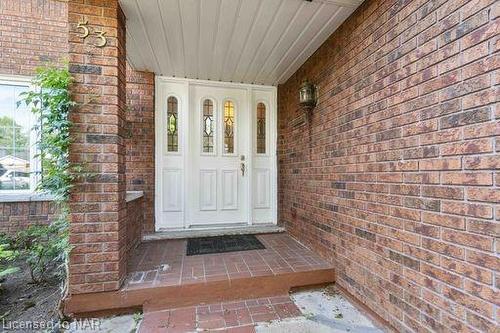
x=29, y=194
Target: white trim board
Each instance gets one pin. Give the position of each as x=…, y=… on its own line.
x=204, y=232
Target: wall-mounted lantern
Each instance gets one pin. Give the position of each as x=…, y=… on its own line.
x=308, y=96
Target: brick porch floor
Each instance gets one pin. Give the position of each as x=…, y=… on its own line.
x=282, y=255
x=234, y=317
x=161, y=276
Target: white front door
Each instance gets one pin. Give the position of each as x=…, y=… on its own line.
x=215, y=154
x=219, y=151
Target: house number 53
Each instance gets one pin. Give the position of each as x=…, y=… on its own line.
x=101, y=40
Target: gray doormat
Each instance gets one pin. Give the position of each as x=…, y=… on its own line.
x=222, y=244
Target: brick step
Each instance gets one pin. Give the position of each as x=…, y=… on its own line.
x=239, y=316
x=154, y=298
x=162, y=276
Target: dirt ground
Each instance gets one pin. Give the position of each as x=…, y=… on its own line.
x=23, y=301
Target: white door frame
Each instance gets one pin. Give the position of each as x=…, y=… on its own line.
x=253, y=97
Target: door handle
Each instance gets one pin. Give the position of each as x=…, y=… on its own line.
x=242, y=168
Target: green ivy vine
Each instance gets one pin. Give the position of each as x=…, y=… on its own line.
x=50, y=101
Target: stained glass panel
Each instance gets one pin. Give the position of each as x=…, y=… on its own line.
x=208, y=126
x=228, y=127
x=261, y=128
x=172, y=125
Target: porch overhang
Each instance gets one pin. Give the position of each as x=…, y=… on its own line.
x=247, y=41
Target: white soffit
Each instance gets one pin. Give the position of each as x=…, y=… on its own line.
x=248, y=41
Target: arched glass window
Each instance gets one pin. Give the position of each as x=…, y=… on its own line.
x=208, y=126
x=172, y=125
x=261, y=128
x=228, y=127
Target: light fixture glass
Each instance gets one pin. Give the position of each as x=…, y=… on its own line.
x=307, y=95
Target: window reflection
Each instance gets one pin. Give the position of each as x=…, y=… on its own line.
x=15, y=128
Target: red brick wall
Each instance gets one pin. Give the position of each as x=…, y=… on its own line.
x=15, y=216
x=140, y=170
x=395, y=177
x=34, y=32
x=140, y=141
x=31, y=32
x=135, y=221
x=98, y=207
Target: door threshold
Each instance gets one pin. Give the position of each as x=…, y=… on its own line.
x=209, y=232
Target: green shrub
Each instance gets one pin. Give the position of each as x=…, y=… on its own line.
x=42, y=248
x=4, y=239
x=6, y=256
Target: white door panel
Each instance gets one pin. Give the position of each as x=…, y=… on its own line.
x=208, y=189
x=172, y=183
x=229, y=189
x=261, y=188
x=203, y=139
x=223, y=156
x=264, y=136
x=170, y=158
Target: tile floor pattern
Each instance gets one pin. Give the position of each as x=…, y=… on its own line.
x=234, y=317
x=164, y=263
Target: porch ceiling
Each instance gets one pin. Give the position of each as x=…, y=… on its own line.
x=249, y=41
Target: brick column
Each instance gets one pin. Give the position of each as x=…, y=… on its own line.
x=98, y=208
x=141, y=140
